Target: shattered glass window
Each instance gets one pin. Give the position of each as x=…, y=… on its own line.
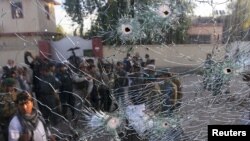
x=117, y=70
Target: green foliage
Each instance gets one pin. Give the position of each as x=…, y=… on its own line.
x=237, y=24
x=109, y=13
x=179, y=34
x=59, y=29
x=74, y=9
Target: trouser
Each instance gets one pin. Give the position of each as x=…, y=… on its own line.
x=68, y=102
x=4, y=131
x=120, y=96
x=106, y=100
x=50, y=107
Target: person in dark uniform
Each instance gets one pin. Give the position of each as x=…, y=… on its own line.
x=66, y=90
x=48, y=95
x=7, y=106
x=121, y=81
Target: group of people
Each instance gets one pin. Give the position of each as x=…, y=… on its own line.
x=59, y=88
x=20, y=118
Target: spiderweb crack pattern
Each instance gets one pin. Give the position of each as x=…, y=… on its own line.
x=224, y=100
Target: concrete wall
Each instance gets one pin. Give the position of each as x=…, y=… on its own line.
x=46, y=24
x=34, y=18
x=166, y=56
x=59, y=49
x=169, y=56
x=205, y=29
x=17, y=55
x=13, y=47
x=18, y=41
x=215, y=31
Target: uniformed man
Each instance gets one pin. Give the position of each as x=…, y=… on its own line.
x=7, y=105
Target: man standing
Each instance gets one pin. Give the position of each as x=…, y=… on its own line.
x=10, y=67
x=120, y=82
x=7, y=106
x=66, y=90
x=28, y=123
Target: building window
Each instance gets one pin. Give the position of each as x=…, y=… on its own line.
x=16, y=10
x=46, y=7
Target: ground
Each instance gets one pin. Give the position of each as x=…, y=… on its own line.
x=200, y=108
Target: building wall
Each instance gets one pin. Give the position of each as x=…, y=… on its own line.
x=18, y=41
x=14, y=48
x=215, y=31
x=59, y=49
x=34, y=18
x=16, y=35
x=45, y=24
x=184, y=55
x=187, y=55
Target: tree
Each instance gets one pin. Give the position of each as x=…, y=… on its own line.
x=112, y=14
x=59, y=29
x=108, y=16
x=238, y=22
x=179, y=34
x=75, y=10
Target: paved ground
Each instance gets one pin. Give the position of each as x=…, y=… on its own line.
x=202, y=109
